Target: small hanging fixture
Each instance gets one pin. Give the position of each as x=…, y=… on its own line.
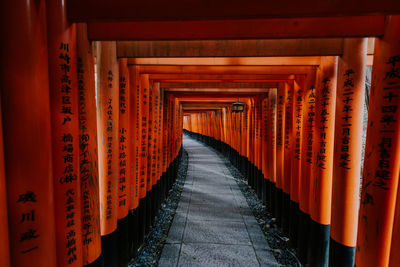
x=238, y=106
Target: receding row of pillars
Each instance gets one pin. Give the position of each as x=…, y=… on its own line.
x=77, y=159
x=306, y=140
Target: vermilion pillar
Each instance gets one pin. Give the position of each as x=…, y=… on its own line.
x=124, y=174
x=258, y=150
x=161, y=171
x=144, y=107
x=264, y=150
x=382, y=152
x=297, y=118
x=306, y=164
x=323, y=143
x=89, y=171
x=135, y=116
x=271, y=148
x=27, y=133
x=280, y=131
x=252, y=128
x=347, y=152
x=288, y=155
x=395, y=246
x=4, y=243
x=150, y=150
x=65, y=134
x=107, y=128
x=157, y=145
x=165, y=140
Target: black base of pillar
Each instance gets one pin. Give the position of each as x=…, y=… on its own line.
x=249, y=174
x=254, y=176
x=303, y=236
x=109, y=247
x=294, y=223
x=163, y=186
x=271, y=197
x=278, y=206
x=243, y=169
x=123, y=241
x=285, y=213
x=153, y=204
x=318, y=253
x=99, y=262
x=341, y=255
x=148, y=212
x=158, y=196
x=133, y=232
x=142, y=220
x=264, y=192
x=259, y=187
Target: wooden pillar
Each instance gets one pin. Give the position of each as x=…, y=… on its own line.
x=323, y=143
x=150, y=136
x=288, y=155
x=124, y=155
x=271, y=149
x=347, y=152
x=65, y=134
x=395, y=245
x=27, y=133
x=150, y=156
x=252, y=143
x=158, y=145
x=4, y=242
x=260, y=176
x=107, y=128
x=382, y=152
x=297, y=124
x=280, y=131
x=135, y=116
x=264, y=150
x=144, y=107
x=89, y=171
x=306, y=165
x=256, y=146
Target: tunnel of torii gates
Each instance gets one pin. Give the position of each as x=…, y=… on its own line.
x=95, y=96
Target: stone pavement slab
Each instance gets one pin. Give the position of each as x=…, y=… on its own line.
x=213, y=225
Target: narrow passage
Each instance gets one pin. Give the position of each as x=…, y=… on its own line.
x=213, y=225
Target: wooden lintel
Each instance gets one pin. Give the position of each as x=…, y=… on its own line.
x=219, y=85
x=218, y=90
x=229, y=61
x=219, y=77
x=176, y=10
x=277, y=28
x=231, y=48
x=229, y=70
x=215, y=97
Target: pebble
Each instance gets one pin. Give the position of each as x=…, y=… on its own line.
x=154, y=242
x=285, y=255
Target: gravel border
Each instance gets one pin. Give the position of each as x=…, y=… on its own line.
x=284, y=254
x=153, y=245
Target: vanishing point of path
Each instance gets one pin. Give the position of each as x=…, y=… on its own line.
x=213, y=225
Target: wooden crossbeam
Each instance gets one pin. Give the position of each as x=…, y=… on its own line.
x=218, y=77
x=219, y=85
x=231, y=48
x=321, y=27
x=175, y=10
x=223, y=70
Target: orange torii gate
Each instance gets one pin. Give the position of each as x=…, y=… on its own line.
x=69, y=195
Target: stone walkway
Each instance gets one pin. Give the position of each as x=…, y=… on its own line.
x=213, y=225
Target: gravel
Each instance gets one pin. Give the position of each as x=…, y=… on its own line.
x=284, y=254
x=154, y=242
